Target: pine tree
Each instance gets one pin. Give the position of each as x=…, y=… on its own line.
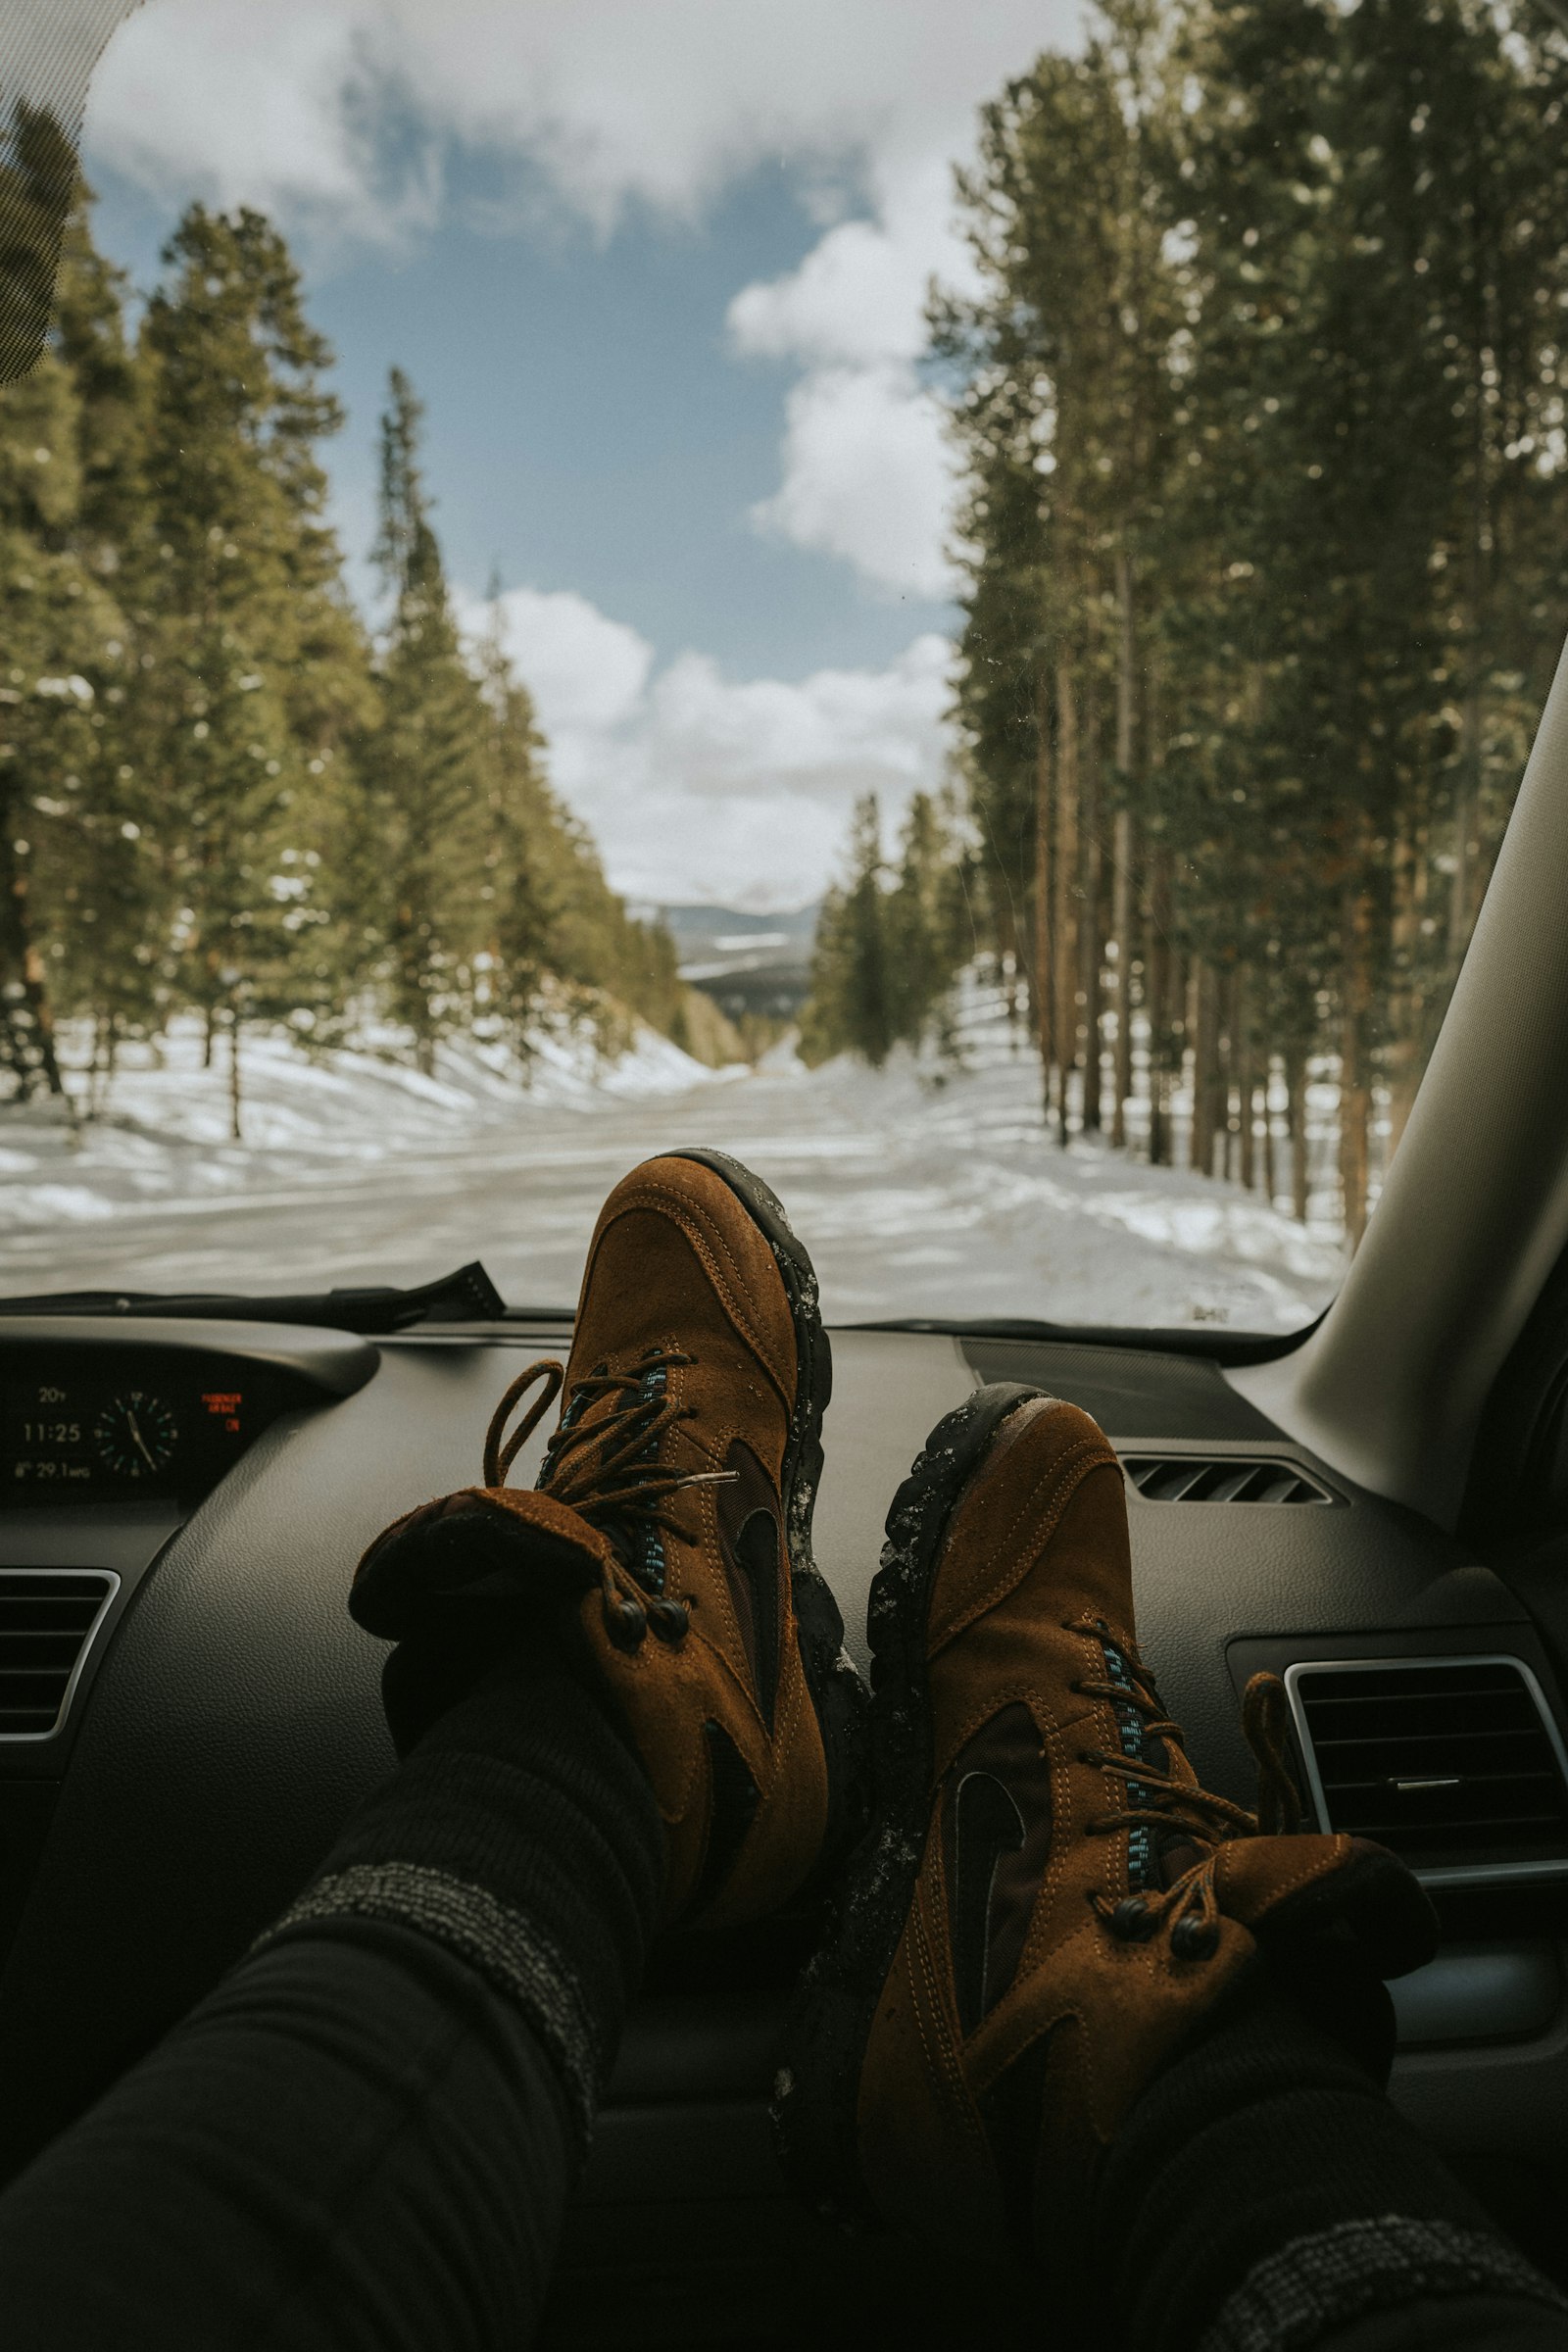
x=427, y=784
x=238, y=600
x=62, y=635
x=1260, y=400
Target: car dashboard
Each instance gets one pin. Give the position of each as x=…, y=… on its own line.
x=187, y=1714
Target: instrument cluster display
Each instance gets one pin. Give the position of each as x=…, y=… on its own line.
x=78, y=1427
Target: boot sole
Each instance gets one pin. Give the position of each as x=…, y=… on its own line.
x=822, y=2050
x=837, y=1691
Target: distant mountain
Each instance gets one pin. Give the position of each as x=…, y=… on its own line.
x=747, y=963
x=716, y=923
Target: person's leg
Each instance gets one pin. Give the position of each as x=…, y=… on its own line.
x=1079, y=2013
x=365, y=2136
x=1262, y=2194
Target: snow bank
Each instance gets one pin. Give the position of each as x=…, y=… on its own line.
x=918, y=1190
x=163, y=1133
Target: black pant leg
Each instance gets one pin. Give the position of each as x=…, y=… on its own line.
x=366, y=2136
x=1264, y=2195
x=355, y=2142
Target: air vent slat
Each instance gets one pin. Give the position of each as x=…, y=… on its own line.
x=1215, y=1477
x=1453, y=1763
x=47, y=1619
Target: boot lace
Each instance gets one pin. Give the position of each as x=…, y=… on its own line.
x=1164, y=1806
x=606, y=1469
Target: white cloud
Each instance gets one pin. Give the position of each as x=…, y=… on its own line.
x=867, y=477
x=858, y=298
x=694, y=785
x=585, y=671
x=663, y=100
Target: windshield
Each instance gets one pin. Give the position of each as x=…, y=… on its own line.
x=949, y=600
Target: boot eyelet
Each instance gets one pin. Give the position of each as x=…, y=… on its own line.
x=668, y=1622
x=1193, y=1939
x=1132, y=1920
x=625, y=1624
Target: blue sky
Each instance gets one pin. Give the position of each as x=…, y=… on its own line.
x=589, y=425
x=657, y=269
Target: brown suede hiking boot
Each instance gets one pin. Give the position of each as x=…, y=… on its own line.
x=1046, y=1904
x=672, y=1522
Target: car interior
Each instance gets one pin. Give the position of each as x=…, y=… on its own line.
x=1375, y=1509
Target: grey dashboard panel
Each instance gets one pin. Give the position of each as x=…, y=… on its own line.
x=890, y=1388
x=336, y=1362
x=235, y=1718
x=1131, y=1392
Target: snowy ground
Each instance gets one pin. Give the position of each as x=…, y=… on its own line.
x=913, y=1199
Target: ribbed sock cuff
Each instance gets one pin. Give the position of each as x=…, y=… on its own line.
x=1263, y=2192
x=1314, y=2286
x=521, y=1835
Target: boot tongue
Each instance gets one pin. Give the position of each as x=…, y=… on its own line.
x=585, y=1426
x=1155, y=1858
x=486, y=1545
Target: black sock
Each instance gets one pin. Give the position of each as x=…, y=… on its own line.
x=1264, y=2196
x=521, y=1834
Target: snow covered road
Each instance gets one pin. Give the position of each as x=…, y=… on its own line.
x=913, y=1200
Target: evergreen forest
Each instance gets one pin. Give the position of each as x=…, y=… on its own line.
x=222, y=794
x=1259, y=404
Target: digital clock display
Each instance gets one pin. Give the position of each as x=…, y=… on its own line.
x=70, y=1430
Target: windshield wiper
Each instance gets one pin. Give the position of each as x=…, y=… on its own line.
x=467, y=1297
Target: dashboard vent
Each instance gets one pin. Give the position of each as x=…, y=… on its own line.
x=48, y=1617
x=1196, y=1478
x=1455, y=1763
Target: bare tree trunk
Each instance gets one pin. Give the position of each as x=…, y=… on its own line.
x=1121, y=911
x=1245, y=1083
x=1356, y=1094
x=27, y=1021
x=235, y=1125
x=1089, y=942
x=1226, y=1123
x=1121, y=923
x=1407, y=1010
x=1160, y=997
x=1064, y=893
x=1043, y=974
x=1296, y=1126
x=1270, y=1172
x=1200, y=1032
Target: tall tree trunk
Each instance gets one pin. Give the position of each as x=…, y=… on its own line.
x=27, y=1021
x=1356, y=1094
x=1162, y=995
x=1295, y=1128
x=1044, y=989
x=1064, y=890
x=235, y=1123
x=1408, y=1002
x=1200, y=1034
x=1246, y=1085
x=1121, y=923
x=1121, y=910
x=1089, y=940
x=1270, y=1172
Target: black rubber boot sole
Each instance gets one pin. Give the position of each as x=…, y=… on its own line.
x=837, y=1691
x=816, y=2090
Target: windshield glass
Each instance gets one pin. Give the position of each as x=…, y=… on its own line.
x=949, y=600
